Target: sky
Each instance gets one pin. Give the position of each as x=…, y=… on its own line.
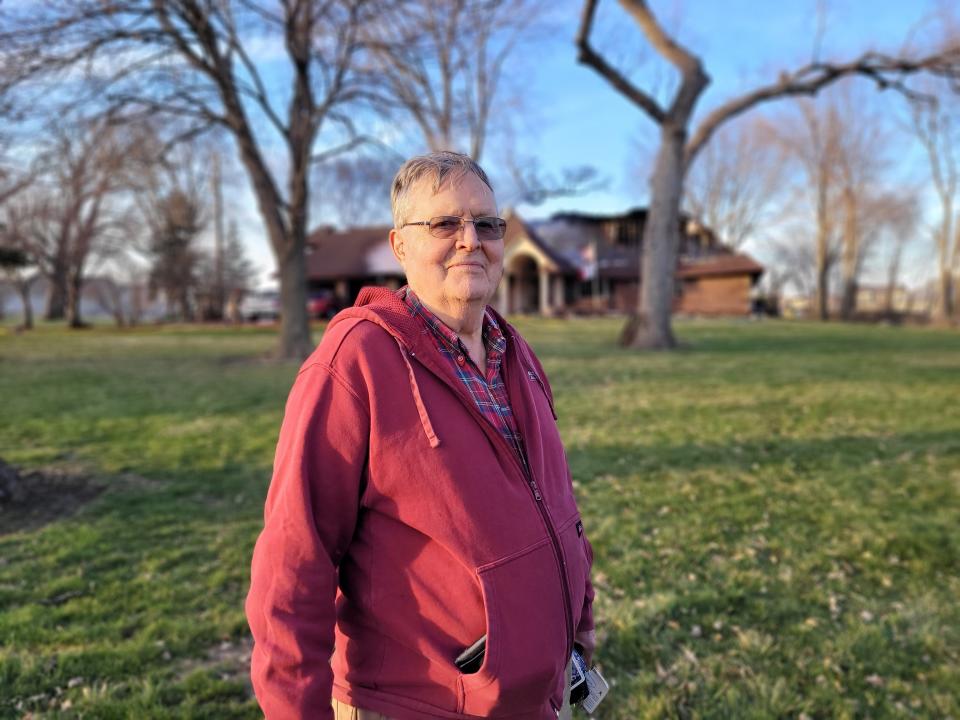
x=572, y=117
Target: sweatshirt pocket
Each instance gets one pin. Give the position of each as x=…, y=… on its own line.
x=575, y=564
x=526, y=635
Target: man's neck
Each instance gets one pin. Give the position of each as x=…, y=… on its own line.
x=466, y=321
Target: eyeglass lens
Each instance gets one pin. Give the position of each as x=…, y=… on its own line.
x=488, y=228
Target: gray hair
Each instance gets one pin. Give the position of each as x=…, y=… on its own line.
x=439, y=166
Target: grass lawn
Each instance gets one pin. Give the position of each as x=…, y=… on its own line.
x=775, y=512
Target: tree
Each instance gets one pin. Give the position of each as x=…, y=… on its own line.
x=110, y=296
x=356, y=190
x=71, y=211
x=841, y=143
x=15, y=262
x=441, y=63
x=862, y=160
x=898, y=215
x=795, y=263
x=175, y=227
x=11, y=181
x=813, y=140
x=235, y=274
x=193, y=60
x=651, y=326
x=934, y=126
x=735, y=182
x=13, y=178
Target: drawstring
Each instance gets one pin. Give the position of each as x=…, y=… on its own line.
x=418, y=400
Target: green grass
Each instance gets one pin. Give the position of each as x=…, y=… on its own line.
x=775, y=512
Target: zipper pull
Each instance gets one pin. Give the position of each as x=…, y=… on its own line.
x=536, y=490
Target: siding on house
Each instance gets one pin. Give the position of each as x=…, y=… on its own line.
x=715, y=296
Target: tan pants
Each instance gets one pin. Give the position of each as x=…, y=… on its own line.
x=342, y=711
x=566, y=712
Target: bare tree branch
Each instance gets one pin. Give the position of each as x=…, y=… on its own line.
x=442, y=63
x=588, y=56
x=885, y=71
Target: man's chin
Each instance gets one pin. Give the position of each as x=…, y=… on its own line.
x=472, y=292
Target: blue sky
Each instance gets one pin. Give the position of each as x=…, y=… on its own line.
x=742, y=44
x=572, y=117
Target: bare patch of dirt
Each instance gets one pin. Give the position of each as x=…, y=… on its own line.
x=43, y=496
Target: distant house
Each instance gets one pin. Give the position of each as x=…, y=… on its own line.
x=344, y=262
x=572, y=262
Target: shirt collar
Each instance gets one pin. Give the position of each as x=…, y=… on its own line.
x=492, y=335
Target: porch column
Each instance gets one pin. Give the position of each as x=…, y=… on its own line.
x=503, y=294
x=559, y=304
x=544, y=292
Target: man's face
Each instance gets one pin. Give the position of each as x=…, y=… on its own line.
x=450, y=274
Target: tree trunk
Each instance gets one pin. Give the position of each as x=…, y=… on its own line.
x=137, y=303
x=116, y=295
x=74, y=291
x=651, y=327
x=822, y=256
x=848, y=301
x=851, y=241
x=955, y=306
x=24, y=288
x=296, y=342
x=183, y=301
x=893, y=275
x=57, y=294
x=944, y=308
x=822, y=298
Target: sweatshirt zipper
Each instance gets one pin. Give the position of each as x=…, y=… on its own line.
x=527, y=474
x=558, y=554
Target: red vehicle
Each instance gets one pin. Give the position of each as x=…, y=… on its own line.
x=322, y=305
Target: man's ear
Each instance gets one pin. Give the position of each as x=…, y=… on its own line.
x=396, y=244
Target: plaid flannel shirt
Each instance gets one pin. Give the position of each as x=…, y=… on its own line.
x=489, y=393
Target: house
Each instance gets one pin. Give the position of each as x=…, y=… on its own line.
x=572, y=262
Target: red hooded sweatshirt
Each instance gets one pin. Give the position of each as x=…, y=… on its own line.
x=400, y=527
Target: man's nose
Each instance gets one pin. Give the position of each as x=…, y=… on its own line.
x=468, y=239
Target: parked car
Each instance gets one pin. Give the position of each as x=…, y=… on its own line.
x=261, y=305
x=322, y=305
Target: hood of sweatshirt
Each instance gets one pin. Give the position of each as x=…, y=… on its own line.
x=388, y=309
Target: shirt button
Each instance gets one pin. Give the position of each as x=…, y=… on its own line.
x=460, y=359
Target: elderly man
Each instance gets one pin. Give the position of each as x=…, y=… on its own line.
x=421, y=499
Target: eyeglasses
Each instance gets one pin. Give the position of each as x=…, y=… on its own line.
x=446, y=226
